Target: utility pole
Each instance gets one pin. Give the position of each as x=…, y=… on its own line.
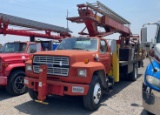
x=67, y=20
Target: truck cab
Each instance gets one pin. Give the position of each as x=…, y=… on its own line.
x=78, y=67
x=151, y=84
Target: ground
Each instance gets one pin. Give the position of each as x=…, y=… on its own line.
x=126, y=99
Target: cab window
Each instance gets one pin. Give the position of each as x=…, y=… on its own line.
x=103, y=46
x=32, y=48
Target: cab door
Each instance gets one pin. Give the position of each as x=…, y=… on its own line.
x=105, y=56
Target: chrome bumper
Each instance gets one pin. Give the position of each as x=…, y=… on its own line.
x=151, y=100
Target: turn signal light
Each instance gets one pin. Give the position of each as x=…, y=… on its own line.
x=5, y=65
x=86, y=61
x=31, y=57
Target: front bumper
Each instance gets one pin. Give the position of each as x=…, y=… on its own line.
x=58, y=87
x=151, y=100
x=3, y=80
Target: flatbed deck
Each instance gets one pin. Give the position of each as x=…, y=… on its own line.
x=123, y=63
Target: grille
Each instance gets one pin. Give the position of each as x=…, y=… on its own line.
x=55, y=65
x=51, y=59
x=53, y=70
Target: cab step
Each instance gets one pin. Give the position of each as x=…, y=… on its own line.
x=42, y=102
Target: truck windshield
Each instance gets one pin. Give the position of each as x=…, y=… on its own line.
x=13, y=48
x=89, y=44
x=158, y=35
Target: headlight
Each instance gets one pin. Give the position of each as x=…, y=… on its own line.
x=82, y=72
x=153, y=81
x=28, y=67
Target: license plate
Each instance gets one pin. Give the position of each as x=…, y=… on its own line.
x=40, y=84
x=77, y=89
x=26, y=81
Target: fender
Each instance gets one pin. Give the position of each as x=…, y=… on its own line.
x=91, y=67
x=9, y=68
x=149, y=68
x=149, y=71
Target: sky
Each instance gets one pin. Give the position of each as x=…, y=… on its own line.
x=54, y=12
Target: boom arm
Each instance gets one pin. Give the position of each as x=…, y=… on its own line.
x=33, y=26
x=98, y=15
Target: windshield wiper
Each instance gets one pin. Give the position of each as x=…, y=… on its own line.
x=18, y=51
x=80, y=49
x=60, y=49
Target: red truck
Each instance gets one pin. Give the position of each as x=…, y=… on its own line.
x=13, y=55
x=85, y=66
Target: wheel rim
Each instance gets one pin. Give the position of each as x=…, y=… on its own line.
x=19, y=83
x=97, y=93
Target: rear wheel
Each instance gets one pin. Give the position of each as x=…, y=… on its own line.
x=15, y=85
x=92, y=100
x=134, y=74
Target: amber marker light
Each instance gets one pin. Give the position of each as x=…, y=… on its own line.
x=5, y=65
x=86, y=61
x=31, y=57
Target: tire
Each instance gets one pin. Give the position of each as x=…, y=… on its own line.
x=149, y=113
x=134, y=74
x=33, y=94
x=15, y=85
x=92, y=100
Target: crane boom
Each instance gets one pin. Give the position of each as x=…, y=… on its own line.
x=13, y=20
x=104, y=10
x=6, y=20
x=96, y=15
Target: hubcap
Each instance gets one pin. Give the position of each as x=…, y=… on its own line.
x=97, y=93
x=19, y=83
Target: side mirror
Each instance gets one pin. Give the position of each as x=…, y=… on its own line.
x=112, y=46
x=157, y=50
x=145, y=45
x=144, y=34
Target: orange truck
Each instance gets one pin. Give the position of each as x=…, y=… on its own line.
x=85, y=66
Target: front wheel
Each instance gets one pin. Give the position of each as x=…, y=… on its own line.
x=134, y=74
x=149, y=113
x=92, y=100
x=33, y=94
x=15, y=85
